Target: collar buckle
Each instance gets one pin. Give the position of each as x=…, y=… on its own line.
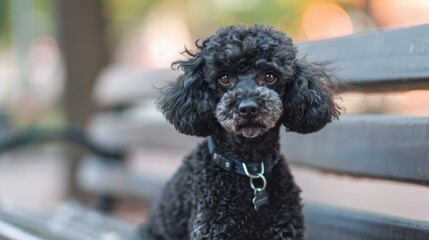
x=254, y=173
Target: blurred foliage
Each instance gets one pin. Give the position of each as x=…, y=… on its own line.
x=4, y=21
x=206, y=16
x=123, y=16
x=44, y=17
x=203, y=16
x=43, y=22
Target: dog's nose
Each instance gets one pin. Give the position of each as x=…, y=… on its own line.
x=248, y=108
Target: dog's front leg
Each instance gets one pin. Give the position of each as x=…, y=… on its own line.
x=200, y=226
x=204, y=227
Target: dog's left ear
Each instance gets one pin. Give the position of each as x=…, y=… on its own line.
x=309, y=102
x=187, y=103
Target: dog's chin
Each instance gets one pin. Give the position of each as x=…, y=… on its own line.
x=251, y=132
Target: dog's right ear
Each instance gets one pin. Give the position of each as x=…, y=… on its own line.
x=309, y=103
x=187, y=103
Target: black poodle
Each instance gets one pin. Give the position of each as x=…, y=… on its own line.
x=238, y=88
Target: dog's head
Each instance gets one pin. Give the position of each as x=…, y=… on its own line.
x=246, y=81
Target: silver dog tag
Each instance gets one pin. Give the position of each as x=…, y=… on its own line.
x=260, y=199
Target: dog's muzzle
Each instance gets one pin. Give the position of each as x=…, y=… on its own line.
x=252, y=115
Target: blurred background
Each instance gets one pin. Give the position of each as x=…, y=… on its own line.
x=58, y=59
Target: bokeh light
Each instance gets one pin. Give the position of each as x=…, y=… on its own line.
x=399, y=13
x=326, y=20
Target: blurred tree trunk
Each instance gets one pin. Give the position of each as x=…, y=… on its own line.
x=81, y=36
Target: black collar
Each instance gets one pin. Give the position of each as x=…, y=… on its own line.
x=232, y=164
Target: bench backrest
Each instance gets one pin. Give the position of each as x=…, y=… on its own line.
x=372, y=146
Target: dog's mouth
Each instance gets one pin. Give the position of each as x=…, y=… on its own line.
x=251, y=129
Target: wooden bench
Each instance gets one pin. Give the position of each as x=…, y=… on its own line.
x=376, y=146
x=394, y=148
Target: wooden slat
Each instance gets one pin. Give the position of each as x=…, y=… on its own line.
x=386, y=147
x=329, y=223
x=123, y=131
x=70, y=221
x=377, y=61
x=118, y=85
x=101, y=177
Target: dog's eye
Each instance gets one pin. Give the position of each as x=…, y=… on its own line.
x=270, y=78
x=225, y=79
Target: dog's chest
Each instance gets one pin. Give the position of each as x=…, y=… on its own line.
x=228, y=198
x=232, y=216
x=222, y=203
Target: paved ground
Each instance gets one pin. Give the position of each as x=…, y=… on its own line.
x=32, y=180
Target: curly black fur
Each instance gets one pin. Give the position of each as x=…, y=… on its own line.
x=233, y=66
